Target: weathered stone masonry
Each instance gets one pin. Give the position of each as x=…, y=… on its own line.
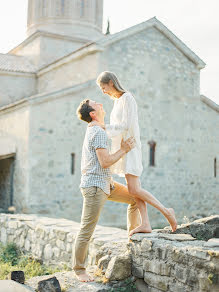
x=160, y=261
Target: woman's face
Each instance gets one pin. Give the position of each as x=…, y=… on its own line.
x=108, y=88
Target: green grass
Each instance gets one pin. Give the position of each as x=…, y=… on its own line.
x=12, y=259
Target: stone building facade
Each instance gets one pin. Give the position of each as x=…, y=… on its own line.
x=44, y=79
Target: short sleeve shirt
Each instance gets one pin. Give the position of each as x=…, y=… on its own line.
x=92, y=174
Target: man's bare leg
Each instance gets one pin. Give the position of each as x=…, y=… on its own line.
x=84, y=277
x=145, y=226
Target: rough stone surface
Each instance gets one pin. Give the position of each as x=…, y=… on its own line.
x=166, y=264
x=119, y=268
x=202, y=229
x=12, y=286
x=49, y=285
x=164, y=261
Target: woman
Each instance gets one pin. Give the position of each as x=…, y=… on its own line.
x=123, y=124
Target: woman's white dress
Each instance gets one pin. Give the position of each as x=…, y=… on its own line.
x=124, y=124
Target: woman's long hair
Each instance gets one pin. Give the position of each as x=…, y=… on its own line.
x=105, y=78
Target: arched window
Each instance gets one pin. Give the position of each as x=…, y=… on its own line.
x=152, y=146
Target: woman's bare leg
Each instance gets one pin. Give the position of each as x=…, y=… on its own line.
x=135, y=189
x=145, y=226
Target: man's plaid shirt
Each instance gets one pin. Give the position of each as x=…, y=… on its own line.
x=92, y=174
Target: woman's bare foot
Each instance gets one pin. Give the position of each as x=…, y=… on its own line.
x=171, y=218
x=140, y=229
x=84, y=277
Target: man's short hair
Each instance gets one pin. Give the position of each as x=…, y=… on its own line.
x=83, y=111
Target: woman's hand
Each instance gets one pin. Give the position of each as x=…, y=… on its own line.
x=95, y=123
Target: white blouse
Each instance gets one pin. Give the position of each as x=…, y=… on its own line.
x=124, y=124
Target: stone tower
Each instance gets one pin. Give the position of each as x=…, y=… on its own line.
x=75, y=18
x=56, y=28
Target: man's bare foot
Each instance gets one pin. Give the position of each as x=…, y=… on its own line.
x=140, y=229
x=171, y=218
x=84, y=277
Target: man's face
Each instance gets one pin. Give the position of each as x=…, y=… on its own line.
x=98, y=107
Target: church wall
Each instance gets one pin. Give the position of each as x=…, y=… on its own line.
x=30, y=50
x=15, y=125
x=15, y=86
x=166, y=86
x=43, y=50
x=55, y=48
x=70, y=73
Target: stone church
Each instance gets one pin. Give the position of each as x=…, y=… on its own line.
x=43, y=80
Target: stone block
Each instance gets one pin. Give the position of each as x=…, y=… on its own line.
x=70, y=237
x=177, y=237
x=156, y=267
x=3, y=235
x=103, y=262
x=48, y=252
x=66, y=257
x=156, y=281
x=180, y=274
x=27, y=245
x=21, y=241
x=146, y=245
x=69, y=247
x=61, y=235
x=200, y=254
x=213, y=242
x=60, y=244
x=49, y=285
x=137, y=271
x=162, y=252
x=119, y=268
x=56, y=251
x=142, y=286
x=177, y=255
x=17, y=276
x=12, y=224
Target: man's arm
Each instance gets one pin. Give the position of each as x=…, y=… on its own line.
x=106, y=159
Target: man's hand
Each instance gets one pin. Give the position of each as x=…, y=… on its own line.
x=95, y=123
x=106, y=159
x=128, y=144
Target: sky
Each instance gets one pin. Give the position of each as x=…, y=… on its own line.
x=195, y=22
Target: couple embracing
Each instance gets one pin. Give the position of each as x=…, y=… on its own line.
x=97, y=165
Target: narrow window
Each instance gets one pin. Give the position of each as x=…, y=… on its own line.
x=215, y=167
x=82, y=8
x=72, y=163
x=152, y=146
x=63, y=6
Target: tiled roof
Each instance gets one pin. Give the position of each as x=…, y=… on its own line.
x=15, y=63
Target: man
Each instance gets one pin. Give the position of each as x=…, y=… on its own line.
x=96, y=183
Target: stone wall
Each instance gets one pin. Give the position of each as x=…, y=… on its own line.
x=176, y=262
x=160, y=261
x=73, y=71
x=16, y=86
